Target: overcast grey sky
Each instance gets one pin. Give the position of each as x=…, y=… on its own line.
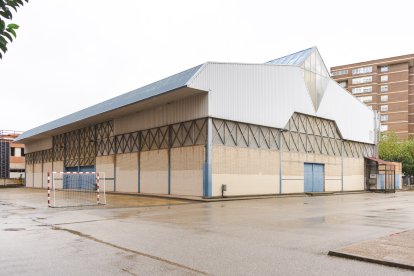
x=72, y=54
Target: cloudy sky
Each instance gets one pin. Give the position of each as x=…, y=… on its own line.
x=72, y=54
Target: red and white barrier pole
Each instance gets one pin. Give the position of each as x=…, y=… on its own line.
x=97, y=189
x=48, y=189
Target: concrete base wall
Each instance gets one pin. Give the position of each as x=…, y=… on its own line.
x=244, y=170
x=127, y=172
x=354, y=174
x=47, y=167
x=187, y=171
x=58, y=166
x=29, y=175
x=154, y=172
x=293, y=171
x=37, y=179
x=254, y=171
x=106, y=164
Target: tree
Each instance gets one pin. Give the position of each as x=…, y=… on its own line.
x=392, y=149
x=8, y=30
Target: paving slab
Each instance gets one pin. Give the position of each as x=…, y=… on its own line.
x=394, y=250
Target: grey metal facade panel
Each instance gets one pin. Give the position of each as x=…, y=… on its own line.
x=293, y=59
x=268, y=95
x=186, y=109
x=151, y=90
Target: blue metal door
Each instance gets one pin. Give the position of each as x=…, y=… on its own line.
x=314, y=177
x=308, y=177
x=318, y=177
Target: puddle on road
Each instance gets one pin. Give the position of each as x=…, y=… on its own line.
x=14, y=229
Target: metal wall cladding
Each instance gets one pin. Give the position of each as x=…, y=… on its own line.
x=38, y=145
x=268, y=95
x=187, y=109
x=353, y=118
x=259, y=94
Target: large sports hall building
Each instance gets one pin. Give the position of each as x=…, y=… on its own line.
x=279, y=127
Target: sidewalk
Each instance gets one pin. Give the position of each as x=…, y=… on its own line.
x=394, y=250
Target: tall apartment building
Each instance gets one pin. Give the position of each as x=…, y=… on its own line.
x=385, y=85
x=12, y=160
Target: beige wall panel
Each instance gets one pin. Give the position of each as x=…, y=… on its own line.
x=42, y=144
x=238, y=184
x=293, y=171
x=293, y=184
x=245, y=170
x=333, y=185
x=183, y=110
x=38, y=175
x=106, y=164
x=127, y=172
x=292, y=164
x=47, y=167
x=354, y=183
x=29, y=175
x=154, y=172
x=187, y=170
x=58, y=166
x=354, y=174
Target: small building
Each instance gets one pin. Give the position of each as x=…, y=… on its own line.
x=218, y=128
x=12, y=160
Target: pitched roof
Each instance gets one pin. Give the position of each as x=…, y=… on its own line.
x=293, y=59
x=151, y=90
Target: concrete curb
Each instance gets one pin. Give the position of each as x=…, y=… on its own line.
x=369, y=260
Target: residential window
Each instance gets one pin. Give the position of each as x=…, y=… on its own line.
x=12, y=151
x=384, y=118
x=384, y=88
x=384, y=68
x=384, y=78
x=384, y=98
x=383, y=128
x=365, y=99
x=362, y=70
x=363, y=89
x=343, y=84
x=362, y=80
x=384, y=107
x=22, y=151
x=339, y=73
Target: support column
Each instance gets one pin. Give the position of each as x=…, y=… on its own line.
x=139, y=162
x=280, y=160
x=342, y=165
x=115, y=172
x=169, y=159
x=115, y=151
x=207, y=170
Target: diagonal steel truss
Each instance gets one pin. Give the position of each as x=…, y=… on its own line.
x=81, y=147
x=302, y=133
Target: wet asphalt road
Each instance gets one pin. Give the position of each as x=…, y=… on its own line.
x=276, y=236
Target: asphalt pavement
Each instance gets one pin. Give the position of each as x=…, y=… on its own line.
x=274, y=236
